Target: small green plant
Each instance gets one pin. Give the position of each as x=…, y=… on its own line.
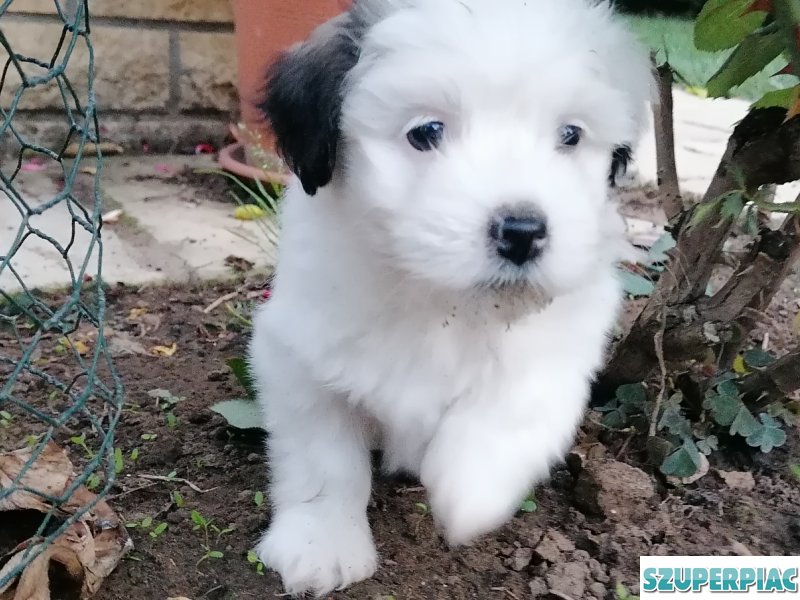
x=241, y=413
x=683, y=436
x=177, y=499
x=149, y=437
x=622, y=593
x=422, y=508
x=165, y=400
x=172, y=420
x=80, y=442
x=93, y=482
x=158, y=530
x=146, y=524
x=256, y=203
x=5, y=418
x=529, y=505
x=208, y=528
x=252, y=558
x=119, y=461
x=134, y=455
x=258, y=498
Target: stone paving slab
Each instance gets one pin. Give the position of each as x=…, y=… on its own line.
x=175, y=231
x=169, y=231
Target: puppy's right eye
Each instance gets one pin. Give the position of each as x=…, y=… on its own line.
x=426, y=136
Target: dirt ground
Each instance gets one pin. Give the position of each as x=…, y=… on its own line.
x=585, y=535
x=601, y=510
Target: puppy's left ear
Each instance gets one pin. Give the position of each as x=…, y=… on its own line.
x=621, y=157
x=303, y=100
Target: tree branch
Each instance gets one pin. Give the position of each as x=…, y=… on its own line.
x=764, y=148
x=667, y=170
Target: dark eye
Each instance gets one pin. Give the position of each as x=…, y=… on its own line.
x=427, y=136
x=570, y=135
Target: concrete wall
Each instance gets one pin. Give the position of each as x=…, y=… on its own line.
x=165, y=69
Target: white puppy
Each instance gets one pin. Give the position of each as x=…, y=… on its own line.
x=446, y=278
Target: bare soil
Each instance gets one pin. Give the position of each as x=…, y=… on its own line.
x=565, y=548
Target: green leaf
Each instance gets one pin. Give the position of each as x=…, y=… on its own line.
x=658, y=251
x=744, y=424
x=750, y=57
x=241, y=371
x=757, y=358
x=779, y=98
x=147, y=522
x=635, y=285
x=198, y=519
x=215, y=554
x=160, y=528
x=259, y=498
x=708, y=209
x=178, y=499
x=622, y=593
x=529, y=505
x=241, y=414
x=768, y=436
x=119, y=463
x=724, y=409
x=732, y=206
x=781, y=411
x=632, y=395
x=673, y=420
x=708, y=445
x=728, y=388
x=614, y=415
x=722, y=25
x=252, y=557
x=795, y=471
x=684, y=462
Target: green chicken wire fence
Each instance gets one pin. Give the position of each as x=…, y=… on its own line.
x=47, y=400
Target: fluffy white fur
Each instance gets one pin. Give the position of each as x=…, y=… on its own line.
x=393, y=322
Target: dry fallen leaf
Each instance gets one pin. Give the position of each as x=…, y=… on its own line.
x=107, y=148
x=122, y=344
x=112, y=216
x=137, y=312
x=239, y=264
x=87, y=551
x=78, y=345
x=736, y=480
x=164, y=350
x=249, y=212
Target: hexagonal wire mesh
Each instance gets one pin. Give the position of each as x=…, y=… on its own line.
x=79, y=394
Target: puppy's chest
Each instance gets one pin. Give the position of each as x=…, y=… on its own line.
x=423, y=364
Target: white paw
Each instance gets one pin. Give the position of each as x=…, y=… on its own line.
x=316, y=551
x=470, y=507
x=476, y=489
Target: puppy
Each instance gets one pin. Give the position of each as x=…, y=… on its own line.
x=446, y=278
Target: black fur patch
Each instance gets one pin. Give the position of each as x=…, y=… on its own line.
x=303, y=101
x=620, y=159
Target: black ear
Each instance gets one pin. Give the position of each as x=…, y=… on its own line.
x=620, y=158
x=303, y=100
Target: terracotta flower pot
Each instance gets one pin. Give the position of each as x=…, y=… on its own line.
x=264, y=28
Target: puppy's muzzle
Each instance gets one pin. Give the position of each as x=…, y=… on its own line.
x=519, y=234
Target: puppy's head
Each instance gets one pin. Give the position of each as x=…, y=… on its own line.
x=473, y=141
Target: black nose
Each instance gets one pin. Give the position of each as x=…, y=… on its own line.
x=519, y=239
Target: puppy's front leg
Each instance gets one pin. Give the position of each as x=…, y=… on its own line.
x=487, y=455
x=319, y=537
